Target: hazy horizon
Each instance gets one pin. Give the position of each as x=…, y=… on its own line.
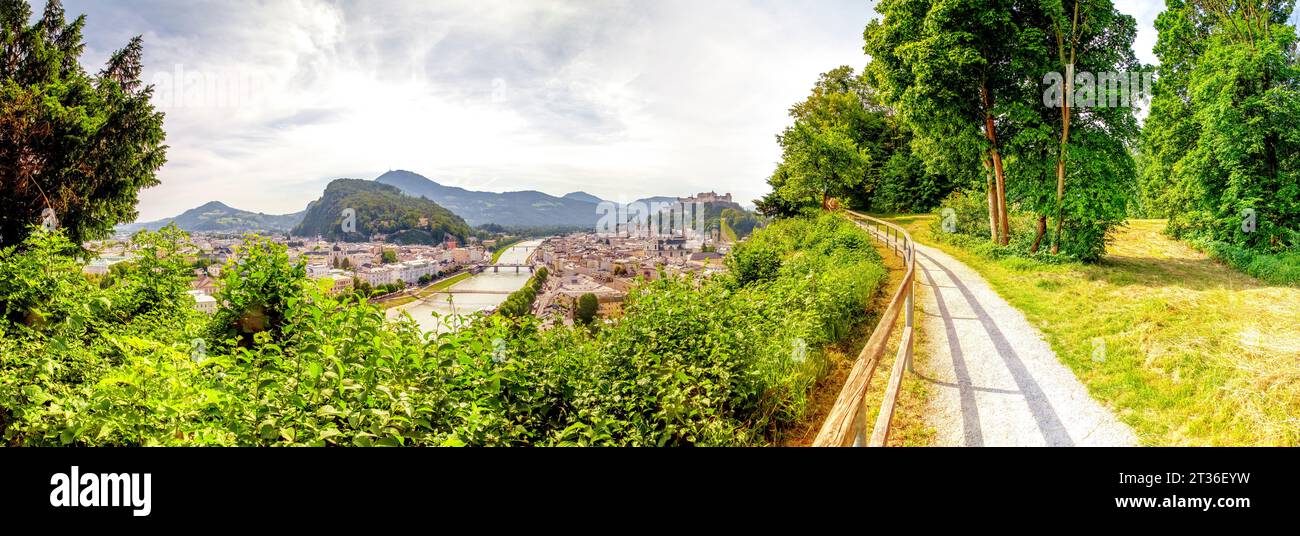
x=619, y=99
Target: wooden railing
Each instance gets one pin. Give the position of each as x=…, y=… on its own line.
x=846, y=425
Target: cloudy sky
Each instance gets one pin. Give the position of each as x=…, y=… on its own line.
x=268, y=100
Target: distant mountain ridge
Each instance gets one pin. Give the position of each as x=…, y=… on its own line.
x=515, y=209
x=583, y=196
x=217, y=217
x=380, y=209
x=451, y=206
x=509, y=209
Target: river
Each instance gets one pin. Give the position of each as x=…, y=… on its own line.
x=463, y=304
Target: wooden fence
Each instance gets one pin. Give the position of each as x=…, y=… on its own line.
x=846, y=425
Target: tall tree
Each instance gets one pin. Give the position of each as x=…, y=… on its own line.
x=944, y=66
x=1221, y=150
x=843, y=105
x=1091, y=39
x=80, y=146
x=967, y=77
x=823, y=162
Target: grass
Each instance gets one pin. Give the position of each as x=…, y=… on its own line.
x=429, y=290
x=1276, y=269
x=501, y=250
x=727, y=232
x=1184, y=349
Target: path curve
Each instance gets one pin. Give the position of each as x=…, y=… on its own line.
x=994, y=380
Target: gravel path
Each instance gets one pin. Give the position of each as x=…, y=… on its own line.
x=995, y=381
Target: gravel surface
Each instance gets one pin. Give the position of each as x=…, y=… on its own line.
x=995, y=380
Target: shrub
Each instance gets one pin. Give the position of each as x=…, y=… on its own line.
x=588, y=306
x=754, y=263
x=692, y=362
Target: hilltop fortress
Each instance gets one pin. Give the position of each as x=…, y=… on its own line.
x=706, y=197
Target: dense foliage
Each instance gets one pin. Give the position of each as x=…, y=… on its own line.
x=967, y=79
x=844, y=144
x=379, y=209
x=78, y=145
x=587, y=307
x=1221, y=149
x=520, y=302
x=704, y=362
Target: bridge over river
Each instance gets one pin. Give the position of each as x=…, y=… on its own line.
x=486, y=290
x=519, y=268
x=455, y=291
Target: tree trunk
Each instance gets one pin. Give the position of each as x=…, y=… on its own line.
x=1060, y=175
x=1004, y=231
x=1042, y=230
x=1060, y=189
x=1065, y=122
x=993, y=202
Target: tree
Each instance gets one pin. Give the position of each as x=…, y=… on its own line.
x=882, y=175
x=966, y=78
x=1219, y=148
x=588, y=306
x=1091, y=36
x=80, y=146
x=388, y=257
x=944, y=67
x=824, y=162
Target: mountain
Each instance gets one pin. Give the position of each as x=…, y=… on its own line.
x=511, y=209
x=584, y=197
x=379, y=209
x=217, y=217
x=658, y=199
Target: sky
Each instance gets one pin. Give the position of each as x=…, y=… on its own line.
x=266, y=101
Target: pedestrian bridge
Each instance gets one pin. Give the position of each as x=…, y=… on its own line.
x=519, y=268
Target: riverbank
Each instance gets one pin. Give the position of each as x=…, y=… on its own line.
x=477, y=292
x=428, y=291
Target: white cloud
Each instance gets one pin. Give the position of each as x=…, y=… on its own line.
x=620, y=98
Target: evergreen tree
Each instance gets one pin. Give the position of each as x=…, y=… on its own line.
x=80, y=146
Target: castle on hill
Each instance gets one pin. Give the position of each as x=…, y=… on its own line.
x=706, y=197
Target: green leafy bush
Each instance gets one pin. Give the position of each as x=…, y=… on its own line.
x=692, y=362
x=754, y=263
x=970, y=229
x=1277, y=269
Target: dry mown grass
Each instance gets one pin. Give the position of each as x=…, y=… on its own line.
x=1195, y=352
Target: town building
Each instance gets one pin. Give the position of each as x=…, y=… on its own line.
x=203, y=302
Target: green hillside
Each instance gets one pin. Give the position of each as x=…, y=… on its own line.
x=380, y=210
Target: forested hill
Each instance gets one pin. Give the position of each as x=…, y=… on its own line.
x=380, y=210
x=218, y=217
x=511, y=209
